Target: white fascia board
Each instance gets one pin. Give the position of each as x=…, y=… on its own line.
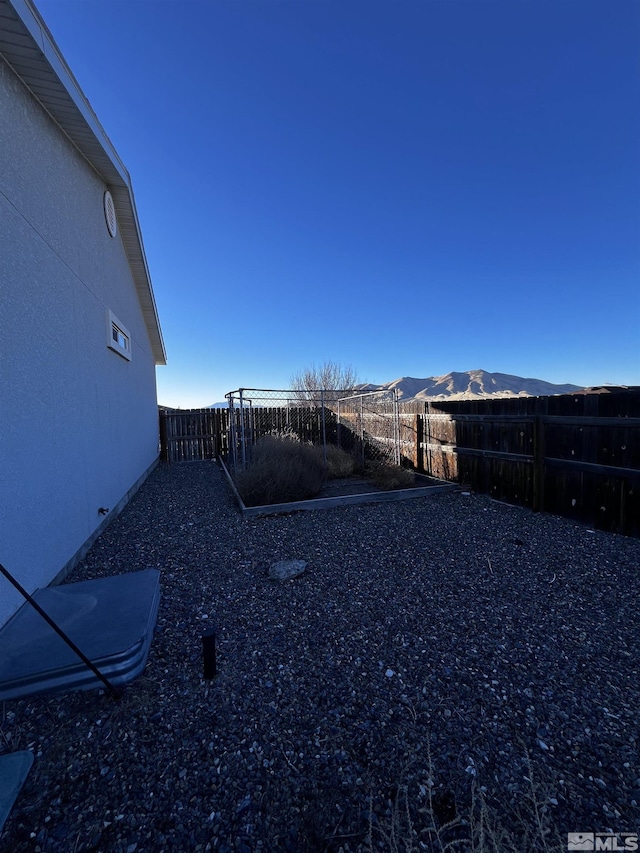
x=39, y=32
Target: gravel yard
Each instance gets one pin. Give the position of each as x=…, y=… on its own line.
x=433, y=647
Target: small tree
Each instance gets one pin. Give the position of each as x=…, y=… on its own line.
x=330, y=376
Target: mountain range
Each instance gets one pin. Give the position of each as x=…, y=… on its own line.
x=465, y=385
x=470, y=385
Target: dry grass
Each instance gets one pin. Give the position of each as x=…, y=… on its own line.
x=388, y=477
x=423, y=818
x=339, y=463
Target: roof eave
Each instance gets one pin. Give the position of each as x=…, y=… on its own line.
x=29, y=48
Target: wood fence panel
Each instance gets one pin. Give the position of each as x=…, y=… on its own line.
x=573, y=455
x=437, y=442
x=563, y=490
x=408, y=438
x=303, y=421
x=188, y=435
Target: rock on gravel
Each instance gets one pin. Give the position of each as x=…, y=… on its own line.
x=285, y=570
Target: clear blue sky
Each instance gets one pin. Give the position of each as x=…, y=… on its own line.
x=409, y=187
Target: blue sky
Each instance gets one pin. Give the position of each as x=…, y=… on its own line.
x=409, y=187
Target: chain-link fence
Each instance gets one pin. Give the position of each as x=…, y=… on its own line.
x=369, y=426
x=365, y=425
x=309, y=416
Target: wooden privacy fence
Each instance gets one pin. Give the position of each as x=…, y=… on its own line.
x=187, y=435
x=574, y=455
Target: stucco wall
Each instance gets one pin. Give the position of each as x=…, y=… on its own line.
x=78, y=423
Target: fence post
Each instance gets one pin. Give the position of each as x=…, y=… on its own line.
x=233, y=438
x=164, y=448
x=324, y=433
x=419, y=433
x=218, y=419
x=538, y=463
x=251, y=428
x=242, y=433
x=427, y=438
x=396, y=425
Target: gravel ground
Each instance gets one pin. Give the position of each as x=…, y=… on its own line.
x=432, y=646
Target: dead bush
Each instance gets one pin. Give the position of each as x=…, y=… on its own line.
x=281, y=470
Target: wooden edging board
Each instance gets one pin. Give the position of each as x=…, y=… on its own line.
x=341, y=500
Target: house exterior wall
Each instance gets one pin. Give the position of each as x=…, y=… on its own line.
x=78, y=422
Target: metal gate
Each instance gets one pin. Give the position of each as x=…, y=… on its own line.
x=369, y=426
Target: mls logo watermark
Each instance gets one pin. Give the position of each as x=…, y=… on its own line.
x=621, y=841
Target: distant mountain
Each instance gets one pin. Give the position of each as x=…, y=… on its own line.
x=472, y=384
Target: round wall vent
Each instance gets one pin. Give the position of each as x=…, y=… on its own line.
x=110, y=214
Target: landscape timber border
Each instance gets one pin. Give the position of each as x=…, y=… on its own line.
x=340, y=500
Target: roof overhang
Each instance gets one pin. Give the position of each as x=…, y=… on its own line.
x=28, y=47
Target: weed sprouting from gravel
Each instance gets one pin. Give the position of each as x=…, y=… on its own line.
x=421, y=816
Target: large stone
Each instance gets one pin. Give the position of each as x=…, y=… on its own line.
x=284, y=570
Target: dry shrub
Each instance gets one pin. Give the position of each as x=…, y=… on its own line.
x=389, y=477
x=281, y=470
x=339, y=462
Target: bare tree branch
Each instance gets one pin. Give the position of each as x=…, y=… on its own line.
x=330, y=376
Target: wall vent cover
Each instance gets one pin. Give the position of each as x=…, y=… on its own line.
x=110, y=214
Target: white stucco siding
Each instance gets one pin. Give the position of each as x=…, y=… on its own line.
x=78, y=423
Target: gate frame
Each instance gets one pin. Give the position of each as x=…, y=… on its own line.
x=395, y=416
